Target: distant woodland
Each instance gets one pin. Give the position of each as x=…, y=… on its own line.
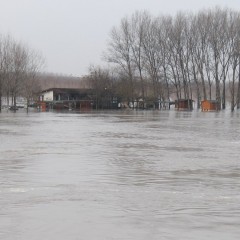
x=19, y=66
x=186, y=56
x=149, y=58
x=21, y=73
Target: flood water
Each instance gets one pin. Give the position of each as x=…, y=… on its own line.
x=120, y=175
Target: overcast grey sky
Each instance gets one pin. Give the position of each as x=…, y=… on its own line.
x=72, y=34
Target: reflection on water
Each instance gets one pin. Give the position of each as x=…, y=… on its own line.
x=119, y=175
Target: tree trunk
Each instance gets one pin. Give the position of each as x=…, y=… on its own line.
x=232, y=90
x=218, y=93
x=0, y=97
x=224, y=90
x=224, y=95
x=238, y=92
x=0, y=101
x=203, y=85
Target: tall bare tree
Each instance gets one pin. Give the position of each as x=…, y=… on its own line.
x=19, y=66
x=188, y=52
x=140, y=22
x=120, y=52
x=31, y=85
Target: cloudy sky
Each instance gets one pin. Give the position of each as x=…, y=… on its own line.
x=72, y=34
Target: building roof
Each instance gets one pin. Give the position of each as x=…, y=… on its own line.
x=68, y=90
x=183, y=100
x=210, y=101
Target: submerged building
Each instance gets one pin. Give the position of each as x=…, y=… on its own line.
x=184, y=104
x=66, y=98
x=76, y=99
x=210, y=105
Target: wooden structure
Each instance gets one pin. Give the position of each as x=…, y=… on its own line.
x=66, y=99
x=184, y=104
x=42, y=106
x=65, y=94
x=210, y=106
x=77, y=99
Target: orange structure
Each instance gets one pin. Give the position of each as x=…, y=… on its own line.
x=210, y=105
x=42, y=106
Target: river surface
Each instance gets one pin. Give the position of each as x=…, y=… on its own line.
x=133, y=175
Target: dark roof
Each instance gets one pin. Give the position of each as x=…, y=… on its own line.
x=68, y=90
x=183, y=100
x=211, y=101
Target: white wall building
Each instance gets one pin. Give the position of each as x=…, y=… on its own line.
x=47, y=96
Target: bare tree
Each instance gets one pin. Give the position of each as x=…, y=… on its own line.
x=5, y=66
x=120, y=53
x=102, y=84
x=186, y=51
x=234, y=57
x=151, y=57
x=19, y=66
x=164, y=26
x=139, y=24
x=31, y=86
x=18, y=70
x=1, y=70
x=238, y=89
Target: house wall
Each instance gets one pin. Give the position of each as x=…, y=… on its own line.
x=205, y=106
x=48, y=96
x=86, y=105
x=184, y=104
x=209, y=106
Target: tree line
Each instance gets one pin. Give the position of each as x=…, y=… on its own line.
x=186, y=56
x=19, y=66
x=150, y=59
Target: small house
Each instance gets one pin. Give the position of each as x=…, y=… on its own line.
x=64, y=94
x=66, y=98
x=184, y=104
x=210, y=105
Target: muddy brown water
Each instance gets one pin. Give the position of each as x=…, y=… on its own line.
x=119, y=175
